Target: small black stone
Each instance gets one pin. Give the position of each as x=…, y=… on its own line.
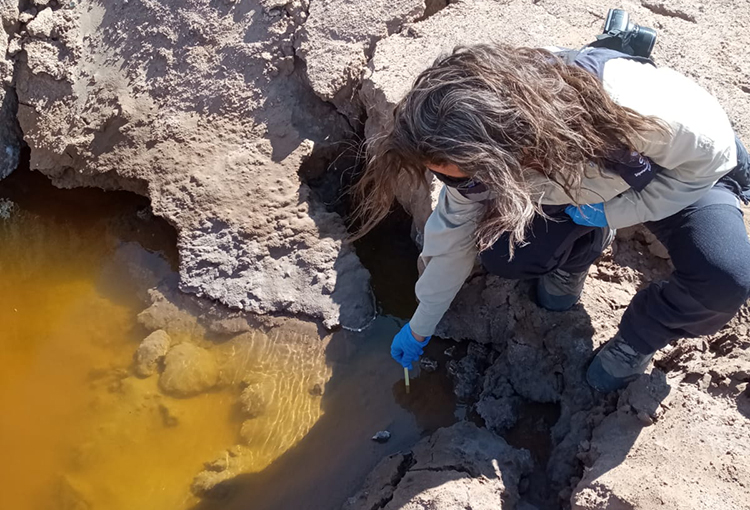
x=316, y=390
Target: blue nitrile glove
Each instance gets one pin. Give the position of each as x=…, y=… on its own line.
x=591, y=215
x=405, y=348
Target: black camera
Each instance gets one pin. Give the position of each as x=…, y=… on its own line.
x=623, y=35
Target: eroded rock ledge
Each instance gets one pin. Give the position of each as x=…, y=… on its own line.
x=207, y=114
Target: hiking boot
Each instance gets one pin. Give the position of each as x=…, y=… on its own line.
x=616, y=364
x=559, y=290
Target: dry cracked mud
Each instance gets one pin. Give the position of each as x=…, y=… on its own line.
x=223, y=112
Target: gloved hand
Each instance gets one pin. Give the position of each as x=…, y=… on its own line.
x=405, y=348
x=591, y=215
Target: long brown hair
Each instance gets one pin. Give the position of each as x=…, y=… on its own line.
x=500, y=114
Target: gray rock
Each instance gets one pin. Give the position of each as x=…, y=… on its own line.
x=382, y=436
x=646, y=394
x=316, y=390
x=498, y=402
x=534, y=372
x=338, y=38
x=6, y=208
x=42, y=25
x=467, y=372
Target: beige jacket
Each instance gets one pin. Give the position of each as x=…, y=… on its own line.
x=699, y=150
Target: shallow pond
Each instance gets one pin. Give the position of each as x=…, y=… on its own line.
x=78, y=430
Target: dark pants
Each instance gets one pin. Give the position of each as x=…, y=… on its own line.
x=710, y=250
x=557, y=243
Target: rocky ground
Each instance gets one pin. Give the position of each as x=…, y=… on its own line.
x=223, y=112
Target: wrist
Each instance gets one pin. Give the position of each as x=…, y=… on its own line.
x=418, y=338
x=422, y=339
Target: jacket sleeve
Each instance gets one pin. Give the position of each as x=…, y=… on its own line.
x=449, y=253
x=697, y=152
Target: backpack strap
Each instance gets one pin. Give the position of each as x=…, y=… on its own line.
x=568, y=56
x=593, y=59
x=634, y=168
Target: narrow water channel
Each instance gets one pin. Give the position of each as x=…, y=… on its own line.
x=79, y=430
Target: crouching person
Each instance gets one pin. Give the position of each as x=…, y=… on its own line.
x=543, y=155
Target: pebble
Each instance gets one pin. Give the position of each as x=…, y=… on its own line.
x=316, y=390
x=381, y=437
x=704, y=382
x=645, y=418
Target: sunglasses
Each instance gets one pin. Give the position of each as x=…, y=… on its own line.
x=455, y=182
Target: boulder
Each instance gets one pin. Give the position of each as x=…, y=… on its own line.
x=204, y=113
x=338, y=39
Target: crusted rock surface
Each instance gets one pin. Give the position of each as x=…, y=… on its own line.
x=338, y=38
x=10, y=134
x=205, y=113
x=696, y=455
x=461, y=466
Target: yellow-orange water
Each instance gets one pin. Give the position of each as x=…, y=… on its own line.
x=77, y=429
